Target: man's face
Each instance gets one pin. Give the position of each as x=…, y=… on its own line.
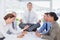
x=29, y=6
x=14, y=15
x=46, y=17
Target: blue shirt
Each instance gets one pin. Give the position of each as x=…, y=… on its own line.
x=43, y=30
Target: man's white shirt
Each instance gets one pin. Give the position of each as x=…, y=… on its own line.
x=29, y=17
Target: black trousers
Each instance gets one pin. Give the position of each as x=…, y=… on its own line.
x=2, y=38
x=33, y=27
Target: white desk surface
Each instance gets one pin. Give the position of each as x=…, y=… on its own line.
x=28, y=36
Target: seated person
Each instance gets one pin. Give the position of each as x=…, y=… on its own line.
x=6, y=25
x=44, y=29
x=54, y=33
x=14, y=24
x=29, y=18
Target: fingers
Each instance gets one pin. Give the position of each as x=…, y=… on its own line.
x=38, y=34
x=22, y=35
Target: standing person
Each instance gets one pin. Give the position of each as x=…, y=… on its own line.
x=29, y=18
x=44, y=29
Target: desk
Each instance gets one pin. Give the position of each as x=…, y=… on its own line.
x=28, y=36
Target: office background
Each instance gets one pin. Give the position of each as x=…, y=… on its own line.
x=19, y=6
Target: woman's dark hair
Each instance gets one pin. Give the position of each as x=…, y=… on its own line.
x=53, y=14
x=46, y=13
x=8, y=16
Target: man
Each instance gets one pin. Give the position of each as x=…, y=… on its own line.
x=29, y=18
x=44, y=30
x=15, y=27
x=14, y=24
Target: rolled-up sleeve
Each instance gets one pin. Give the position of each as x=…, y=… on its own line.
x=3, y=31
x=41, y=29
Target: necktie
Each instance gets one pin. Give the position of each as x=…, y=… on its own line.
x=13, y=25
x=28, y=17
x=46, y=27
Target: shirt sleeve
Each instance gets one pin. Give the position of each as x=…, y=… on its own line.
x=41, y=29
x=48, y=26
x=15, y=31
x=4, y=31
x=19, y=30
x=51, y=36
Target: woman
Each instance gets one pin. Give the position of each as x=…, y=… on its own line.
x=54, y=33
x=6, y=25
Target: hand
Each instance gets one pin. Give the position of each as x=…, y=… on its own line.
x=26, y=27
x=22, y=35
x=39, y=21
x=21, y=20
x=24, y=32
x=38, y=34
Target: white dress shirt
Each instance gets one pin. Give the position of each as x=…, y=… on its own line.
x=5, y=27
x=29, y=17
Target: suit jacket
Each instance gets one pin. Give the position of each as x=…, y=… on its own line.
x=54, y=33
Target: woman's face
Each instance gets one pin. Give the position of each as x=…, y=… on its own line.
x=10, y=20
x=50, y=18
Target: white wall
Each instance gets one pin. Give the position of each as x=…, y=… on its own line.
x=2, y=11
x=14, y=5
